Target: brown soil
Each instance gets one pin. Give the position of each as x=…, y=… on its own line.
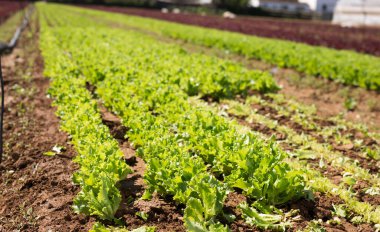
x=233, y=200
x=36, y=190
x=360, y=188
x=322, y=208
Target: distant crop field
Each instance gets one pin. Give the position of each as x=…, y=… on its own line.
x=7, y=8
x=366, y=40
x=344, y=66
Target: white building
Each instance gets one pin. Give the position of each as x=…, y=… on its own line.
x=200, y=2
x=285, y=6
x=321, y=6
x=357, y=12
x=188, y=2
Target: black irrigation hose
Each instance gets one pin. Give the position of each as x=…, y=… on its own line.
x=7, y=48
x=12, y=44
x=2, y=112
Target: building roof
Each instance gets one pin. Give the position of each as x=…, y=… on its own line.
x=354, y=3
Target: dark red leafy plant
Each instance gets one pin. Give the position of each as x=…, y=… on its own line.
x=7, y=8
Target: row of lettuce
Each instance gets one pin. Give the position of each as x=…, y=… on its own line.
x=192, y=153
x=99, y=156
x=343, y=66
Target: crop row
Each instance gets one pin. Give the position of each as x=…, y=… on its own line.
x=310, y=113
x=335, y=128
x=364, y=40
x=99, y=157
x=343, y=66
x=180, y=142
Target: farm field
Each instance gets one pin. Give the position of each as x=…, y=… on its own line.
x=120, y=123
x=365, y=40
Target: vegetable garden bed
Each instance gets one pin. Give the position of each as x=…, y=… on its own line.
x=167, y=139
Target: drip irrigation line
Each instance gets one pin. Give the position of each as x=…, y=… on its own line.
x=12, y=44
x=2, y=112
x=8, y=48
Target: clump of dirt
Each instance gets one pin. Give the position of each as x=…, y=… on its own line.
x=360, y=188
